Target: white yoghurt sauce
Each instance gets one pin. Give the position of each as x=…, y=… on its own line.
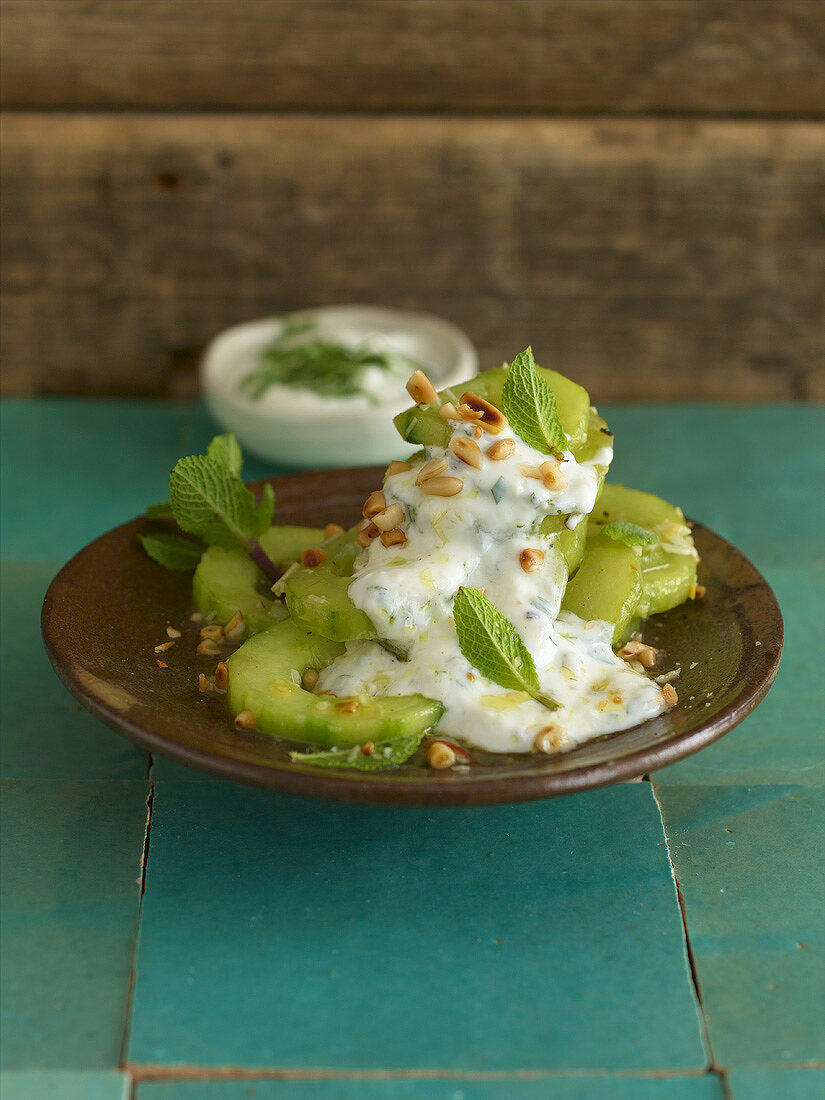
x=475, y=539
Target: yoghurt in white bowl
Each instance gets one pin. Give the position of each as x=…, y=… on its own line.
x=320, y=387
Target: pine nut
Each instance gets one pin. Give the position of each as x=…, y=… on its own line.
x=395, y=537
x=374, y=504
x=467, y=450
x=394, y=515
x=501, y=449
x=208, y=648
x=368, y=749
x=421, y=389
x=493, y=420
x=172, y=633
x=310, y=679
x=475, y=431
x=448, y=411
x=314, y=556
x=347, y=706
x=367, y=534
x=466, y=412
x=332, y=529
x=212, y=633
x=204, y=685
x=396, y=467
x=551, y=475
x=440, y=756
x=645, y=654
x=442, y=486
x=526, y=470
x=163, y=647
x=550, y=739
x=235, y=628
x=221, y=675
x=433, y=468
x=245, y=720
x=669, y=695
x=531, y=560
x=161, y=664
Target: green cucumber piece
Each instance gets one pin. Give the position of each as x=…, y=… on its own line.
x=607, y=585
x=669, y=567
x=227, y=581
x=319, y=600
x=284, y=544
x=425, y=427
x=264, y=678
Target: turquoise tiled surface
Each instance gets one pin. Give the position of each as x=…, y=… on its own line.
x=544, y=1088
x=245, y=889
x=46, y=734
x=777, y=1084
x=71, y=853
x=458, y=939
x=749, y=864
x=64, y=1085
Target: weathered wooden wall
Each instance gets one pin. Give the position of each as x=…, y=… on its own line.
x=637, y=187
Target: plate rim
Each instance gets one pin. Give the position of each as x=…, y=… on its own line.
x=487, y=788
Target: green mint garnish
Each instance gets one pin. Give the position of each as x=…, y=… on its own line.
x=159, y=511
x=490, y=643
x=330, y=368
x=227, y=450
x=172, y=551
x=385, y=754
x=529, y=403
x=630, y=534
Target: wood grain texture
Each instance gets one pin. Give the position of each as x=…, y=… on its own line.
x=719, y=57
x=647, y=259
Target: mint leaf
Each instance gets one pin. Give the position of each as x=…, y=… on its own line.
x=172, y=551
x=211, y=501
x=631, y=534
x=529, y=403
x=490, y=643
x=159, y=511
x=226, y=449
x=265, y=509
x=385, y=754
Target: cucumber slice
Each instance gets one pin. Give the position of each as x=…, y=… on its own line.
x=426, y=428
x=285, y=544
x=318, y=598
x=607, y=585
x=669, y=567
x=264, y=678
x=227, y=581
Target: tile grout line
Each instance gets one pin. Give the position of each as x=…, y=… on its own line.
x=143, y=1072
x=144, y=861
x=713, y=1068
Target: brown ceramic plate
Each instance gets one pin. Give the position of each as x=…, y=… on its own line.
x=109, y=607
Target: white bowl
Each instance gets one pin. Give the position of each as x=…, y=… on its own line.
x=297, y=427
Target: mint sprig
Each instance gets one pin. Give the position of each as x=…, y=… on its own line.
x=227, y=450
x=631, y=534
x=172, y=551
x=529, y=403
x=490, y=642
x=384, y=754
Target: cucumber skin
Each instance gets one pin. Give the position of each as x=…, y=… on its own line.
x=285, y=544
x=608, y=585
x=225, y=582
x=426, y=428
x=262, y=677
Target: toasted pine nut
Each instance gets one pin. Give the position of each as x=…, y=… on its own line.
x=172, y=633
x=196, y=617
x=245, y=720
x=235, y=628
x=221, y=675
x=551, y=475
x=208, y=648
x=368, y=749
x=433, y=468
x=493, y=420
x=467, y=450
x=314, y=556
x=645, y=654
x=396, y=467
x=697, y=591
x=526, y=470
x=466, y=412
x=421, y=389
x=347, y=706
x=203, y=684
x=448, y=411
x=669, y=695
x=161, y=664
x=213, y=633
x=549, y=739
x=367, y=534
x=501, y=449
x=531, y=560
x=163, y=647
x=332, y=529
x=475, y=431
x=440, y=756
x=395, y=537
x=309, y=679
x=442, y=486
x=374, y=504
x=390, y=518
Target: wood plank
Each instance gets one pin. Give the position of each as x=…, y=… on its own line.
x=648, y=259
x=719, y=57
